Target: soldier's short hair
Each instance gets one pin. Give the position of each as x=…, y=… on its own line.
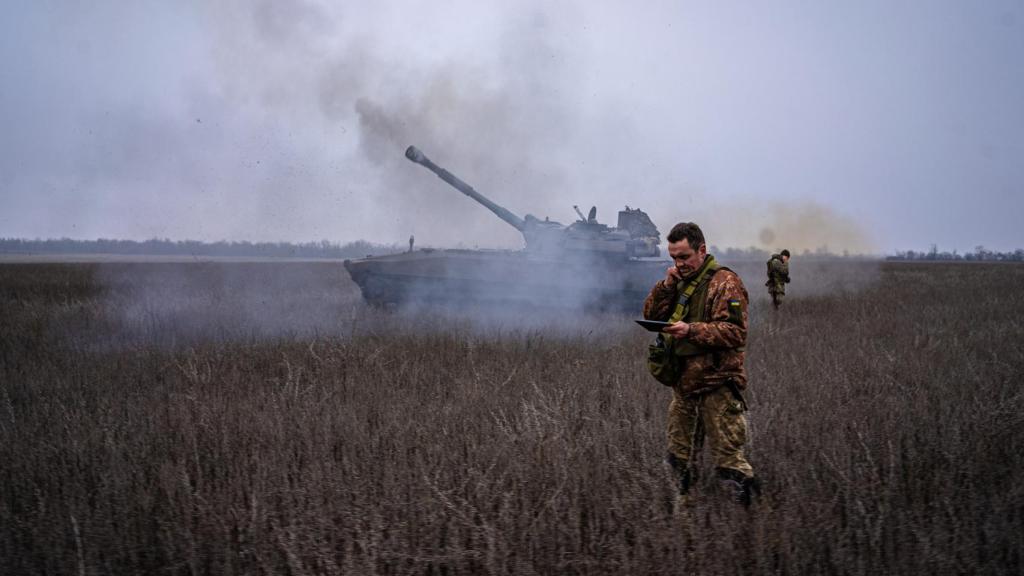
x=688, y=230
x=784, y=253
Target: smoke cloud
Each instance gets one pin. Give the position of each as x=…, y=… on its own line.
x=796, y=226
x=513, y=130
x=499, y=126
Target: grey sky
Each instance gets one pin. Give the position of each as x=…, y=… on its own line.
x=867, y=125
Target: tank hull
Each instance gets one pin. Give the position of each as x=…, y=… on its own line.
x=506, y=278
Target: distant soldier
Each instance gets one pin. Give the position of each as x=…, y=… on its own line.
x=412, y=240
x=778, y=276
x=707, y=305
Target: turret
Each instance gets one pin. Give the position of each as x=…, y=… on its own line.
x=636, y=235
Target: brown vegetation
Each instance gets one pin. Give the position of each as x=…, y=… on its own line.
x=254, y=418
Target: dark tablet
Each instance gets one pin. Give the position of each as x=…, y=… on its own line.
x=653, y=325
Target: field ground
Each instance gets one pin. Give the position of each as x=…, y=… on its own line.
x=241, y=418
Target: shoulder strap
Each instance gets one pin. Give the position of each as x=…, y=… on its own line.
x=691, y=287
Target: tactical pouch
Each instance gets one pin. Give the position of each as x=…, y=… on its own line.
x=665, y=366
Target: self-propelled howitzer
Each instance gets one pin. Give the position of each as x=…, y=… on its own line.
x=586, y=265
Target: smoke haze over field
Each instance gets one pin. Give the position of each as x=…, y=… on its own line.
x=867, y=127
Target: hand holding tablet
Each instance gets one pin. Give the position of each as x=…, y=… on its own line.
x=653, y=325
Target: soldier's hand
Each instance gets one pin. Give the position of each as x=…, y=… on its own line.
x=677, y=330
x=672, y=275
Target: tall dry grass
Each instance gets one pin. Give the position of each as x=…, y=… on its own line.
x=158, y=419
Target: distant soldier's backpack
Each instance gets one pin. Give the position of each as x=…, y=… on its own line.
x=770, y=272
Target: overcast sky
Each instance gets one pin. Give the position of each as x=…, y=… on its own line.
x=863, y=125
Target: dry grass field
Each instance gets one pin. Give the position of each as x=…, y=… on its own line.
x=255, y=418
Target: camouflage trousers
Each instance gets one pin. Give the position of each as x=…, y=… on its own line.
x=777, y=296
x=715, y=416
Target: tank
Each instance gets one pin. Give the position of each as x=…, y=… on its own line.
x=584, y=265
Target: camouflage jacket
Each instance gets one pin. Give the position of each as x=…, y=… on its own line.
x=778, y=275
x=722, y=333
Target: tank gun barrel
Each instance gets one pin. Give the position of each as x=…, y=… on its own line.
x=414, y=154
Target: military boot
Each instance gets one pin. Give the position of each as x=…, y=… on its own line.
x=742, y=489
x=683, y=477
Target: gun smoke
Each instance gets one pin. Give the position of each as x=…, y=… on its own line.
x=511, y=121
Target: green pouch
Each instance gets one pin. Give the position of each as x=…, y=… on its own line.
x=665, y=366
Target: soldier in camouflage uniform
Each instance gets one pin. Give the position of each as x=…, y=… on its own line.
x=778, y=277
x=708, y=338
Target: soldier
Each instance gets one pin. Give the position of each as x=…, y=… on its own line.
x=707, y=304
x=778, y=277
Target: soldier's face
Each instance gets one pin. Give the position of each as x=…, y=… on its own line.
x=686, y=259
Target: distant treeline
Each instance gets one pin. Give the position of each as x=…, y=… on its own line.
x=165, y=247
x=754, y=253
x=322, y=249
x=979, y=254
